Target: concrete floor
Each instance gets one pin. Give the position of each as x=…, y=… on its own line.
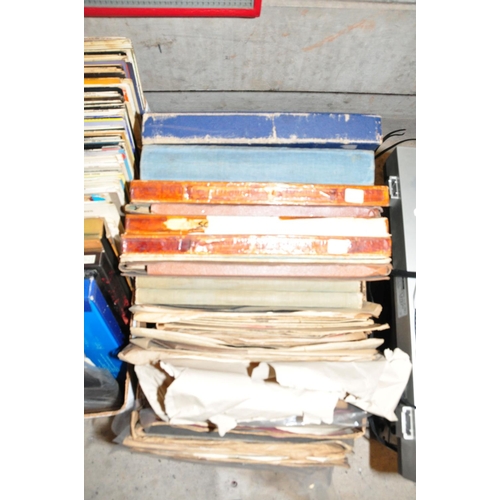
x=112, y=472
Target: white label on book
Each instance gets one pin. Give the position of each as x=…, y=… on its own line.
x=89, y=259
x=354, y=195
x=339, y=246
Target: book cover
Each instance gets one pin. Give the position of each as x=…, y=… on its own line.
x=332, y=130
x=260, y=248
x=108, y=71
x=154, y=350
x=253, y=225
x=119, y=49
x=115, y=121
x=136, y=265
x=97, y=237
x=130, y=99
x=241, y=284
x=109, y=190
x=108, y=159
x=257, y=164
x=192, y=209
x=257, y=193
x=248, y=298
x=107, y=211
x=118, y=136
x=261, y=450
x=260, y=316
x=98, y=60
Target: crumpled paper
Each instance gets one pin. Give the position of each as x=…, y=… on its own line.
x=228, y=393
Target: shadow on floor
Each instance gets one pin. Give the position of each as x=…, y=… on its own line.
x=382, y=459
x=102, y=430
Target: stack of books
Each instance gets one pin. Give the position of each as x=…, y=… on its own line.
x=256, y=229
x=113, y=108
x=251, y=238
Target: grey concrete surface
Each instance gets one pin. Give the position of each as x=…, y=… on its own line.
x=388, y=106
x=306, y=45
x=112, y=472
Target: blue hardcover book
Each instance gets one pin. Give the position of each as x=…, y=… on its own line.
x=103, y=337
x=257, y=164
x=332, y=130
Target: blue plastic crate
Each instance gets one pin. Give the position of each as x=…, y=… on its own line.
x=103, y=338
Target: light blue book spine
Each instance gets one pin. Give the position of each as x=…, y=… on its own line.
x=257, y=164
x=331, y=130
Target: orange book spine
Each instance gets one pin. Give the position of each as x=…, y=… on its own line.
x=258, y=245
x=257, y=193
x=179, y=224
x=160, y=224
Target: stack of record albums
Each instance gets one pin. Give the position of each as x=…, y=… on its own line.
x=250, y=238
x=113, y=108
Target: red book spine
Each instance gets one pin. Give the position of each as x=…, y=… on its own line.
x=280, y=270
x=203, y=245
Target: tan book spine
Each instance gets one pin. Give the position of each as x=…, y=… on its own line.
x=272, y=299
x=326, y=270
x=232, y=283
